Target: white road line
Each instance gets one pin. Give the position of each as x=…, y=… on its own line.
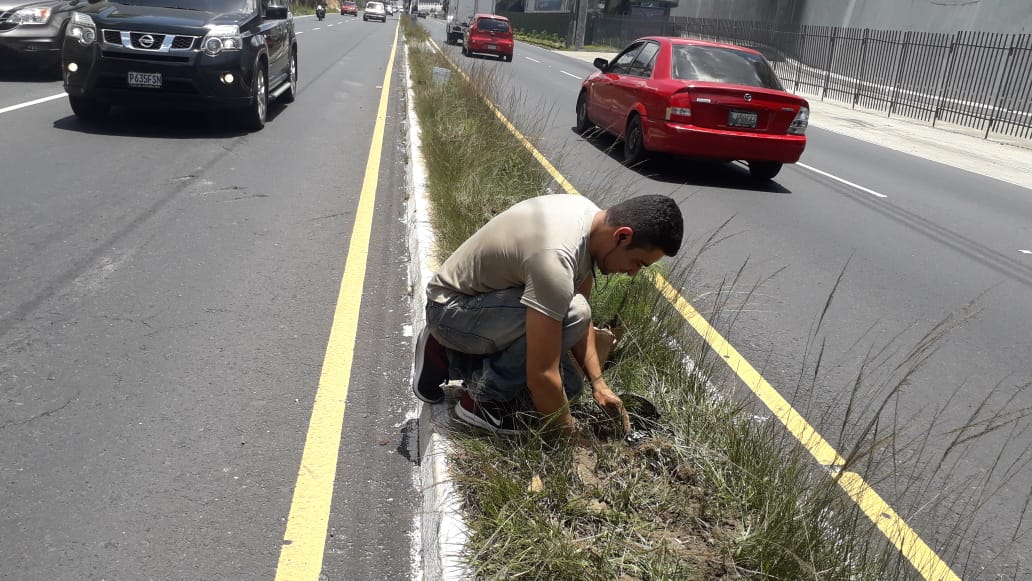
x=570, y=74
x=530, y=59
x=31, y=103
x=1025, y=251
x=300, y=32
x=838, y=179
x=316, y=28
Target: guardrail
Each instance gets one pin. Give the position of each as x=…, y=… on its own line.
x=978, y=80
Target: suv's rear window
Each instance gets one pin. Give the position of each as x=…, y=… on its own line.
x=722, y=65
x=492, y=24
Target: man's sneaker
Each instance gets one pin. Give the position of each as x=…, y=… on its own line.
x=431, y=369
x=490, y=416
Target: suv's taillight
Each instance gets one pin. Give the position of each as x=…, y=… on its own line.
x=82, y=28
x=802, y=119
x=680, y=108
x=222, y=37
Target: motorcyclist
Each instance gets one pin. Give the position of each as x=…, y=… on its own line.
x=320, y=10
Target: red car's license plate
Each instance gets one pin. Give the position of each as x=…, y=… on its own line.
x=152, y=80
x=741, y=119
x=492, y=47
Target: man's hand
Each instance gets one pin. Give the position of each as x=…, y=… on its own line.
x=612, y=404
x=574, y=432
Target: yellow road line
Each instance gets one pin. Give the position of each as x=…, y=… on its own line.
x=896, y=530
x=305, y=538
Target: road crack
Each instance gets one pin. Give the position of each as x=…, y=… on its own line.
x=43, y=414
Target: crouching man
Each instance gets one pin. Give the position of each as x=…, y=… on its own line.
x=506, y=310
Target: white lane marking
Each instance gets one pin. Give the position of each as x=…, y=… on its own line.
x=1025, y=251
x=31, y=103
x=300, y=32
x=532, y=60
x=571, y=74
x=316, y=28
x=838, y=179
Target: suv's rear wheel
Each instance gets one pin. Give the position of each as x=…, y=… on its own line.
x=290, y=94
x=253, y=117
x=88, y=108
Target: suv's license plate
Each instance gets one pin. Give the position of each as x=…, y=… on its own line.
x=741, y=119
x=492, y=47
x=144, y=79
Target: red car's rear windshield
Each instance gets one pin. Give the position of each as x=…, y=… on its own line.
x=722, y=65
x=491, y=24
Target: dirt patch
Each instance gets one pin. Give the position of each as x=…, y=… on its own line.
x=667, y=518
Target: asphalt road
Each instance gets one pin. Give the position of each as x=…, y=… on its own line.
x=917, y=242
x=168, y=287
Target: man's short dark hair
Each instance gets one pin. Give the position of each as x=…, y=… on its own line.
x=656, y=220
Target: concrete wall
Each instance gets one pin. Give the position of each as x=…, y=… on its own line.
x=1010, y=16
x=727, y=9
x=547, y=22
x=1007, y=16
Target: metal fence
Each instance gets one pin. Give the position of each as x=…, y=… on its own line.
x=974, y=79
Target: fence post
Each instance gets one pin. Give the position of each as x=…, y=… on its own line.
x=1004, y=84
x=863, y=63
x=946, y=81
x=827, y=68
x=799, y=60
x=899, y=72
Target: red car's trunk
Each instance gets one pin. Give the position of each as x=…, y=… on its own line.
x=490, y=35
x=751, y=109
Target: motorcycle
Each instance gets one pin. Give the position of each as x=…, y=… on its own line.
x=320, y=11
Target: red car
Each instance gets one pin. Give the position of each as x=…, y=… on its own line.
x=489, y=34
x=348, y=8
x=695, y=99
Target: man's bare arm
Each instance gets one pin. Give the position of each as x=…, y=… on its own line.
x=544, y=349
x=587, y=356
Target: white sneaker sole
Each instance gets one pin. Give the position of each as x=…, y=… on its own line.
x=476, y=421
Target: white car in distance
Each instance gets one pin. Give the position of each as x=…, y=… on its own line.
x=374, y=11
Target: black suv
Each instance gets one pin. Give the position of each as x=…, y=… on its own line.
x=31, y=31
x=193, y=54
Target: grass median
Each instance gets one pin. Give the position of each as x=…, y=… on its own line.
x=711, y=488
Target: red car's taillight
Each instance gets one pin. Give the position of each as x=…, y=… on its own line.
x=802, y=119
x=680, y=108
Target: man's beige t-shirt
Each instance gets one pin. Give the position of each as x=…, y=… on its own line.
x=540, y=244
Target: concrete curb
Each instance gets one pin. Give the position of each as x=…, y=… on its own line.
x=442, y=531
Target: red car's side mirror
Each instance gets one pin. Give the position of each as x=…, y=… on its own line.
x=601, y=64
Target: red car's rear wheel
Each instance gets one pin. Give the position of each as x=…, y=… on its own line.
x=634, y=151
x=583, y=121
x=764, y=170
